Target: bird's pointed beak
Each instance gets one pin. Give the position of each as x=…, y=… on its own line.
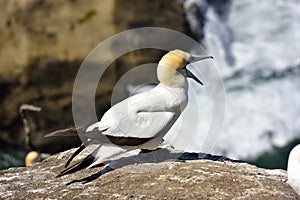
x=189, y=74
x=195, y=58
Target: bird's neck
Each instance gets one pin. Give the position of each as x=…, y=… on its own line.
x=170, y=77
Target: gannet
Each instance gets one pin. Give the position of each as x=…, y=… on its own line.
x=293, y=169
x=142, y=120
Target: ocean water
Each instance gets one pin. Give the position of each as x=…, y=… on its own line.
x=11, y=157
x=256, y=46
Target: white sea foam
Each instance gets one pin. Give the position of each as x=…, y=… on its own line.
x=260, y=112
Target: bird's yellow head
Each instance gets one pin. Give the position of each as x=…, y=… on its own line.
x=172, y=67
x=175, y=59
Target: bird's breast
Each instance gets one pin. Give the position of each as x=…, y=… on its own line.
x=174, y=97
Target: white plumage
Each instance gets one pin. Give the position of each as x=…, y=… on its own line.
x=136, y=115
x=293, y=169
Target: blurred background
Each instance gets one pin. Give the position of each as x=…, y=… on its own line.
x=255, y=43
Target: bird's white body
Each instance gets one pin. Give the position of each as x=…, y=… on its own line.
x=293, y=169
x=146, y=115
x=143, y=115
x=142, y=120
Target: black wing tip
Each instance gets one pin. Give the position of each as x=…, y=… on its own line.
x=81, y=148
x=87, y=161
x=78, y=166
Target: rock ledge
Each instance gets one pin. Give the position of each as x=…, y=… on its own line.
x=193, y=179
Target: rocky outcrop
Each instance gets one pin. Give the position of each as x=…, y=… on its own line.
x=42, y=45
x=197, y=179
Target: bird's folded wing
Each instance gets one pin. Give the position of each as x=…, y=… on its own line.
x=139, y=125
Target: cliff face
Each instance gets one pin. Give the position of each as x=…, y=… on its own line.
x=43, y=43
x=198, y=179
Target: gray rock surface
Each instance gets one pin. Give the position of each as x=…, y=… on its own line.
x=197, y=179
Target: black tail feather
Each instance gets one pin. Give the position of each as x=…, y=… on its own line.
x=63, y=132
x=72, y=131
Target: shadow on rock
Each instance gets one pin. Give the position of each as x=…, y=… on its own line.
x=157, y=156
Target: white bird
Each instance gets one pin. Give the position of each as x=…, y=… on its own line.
x=140, y=121
x=293, y=169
